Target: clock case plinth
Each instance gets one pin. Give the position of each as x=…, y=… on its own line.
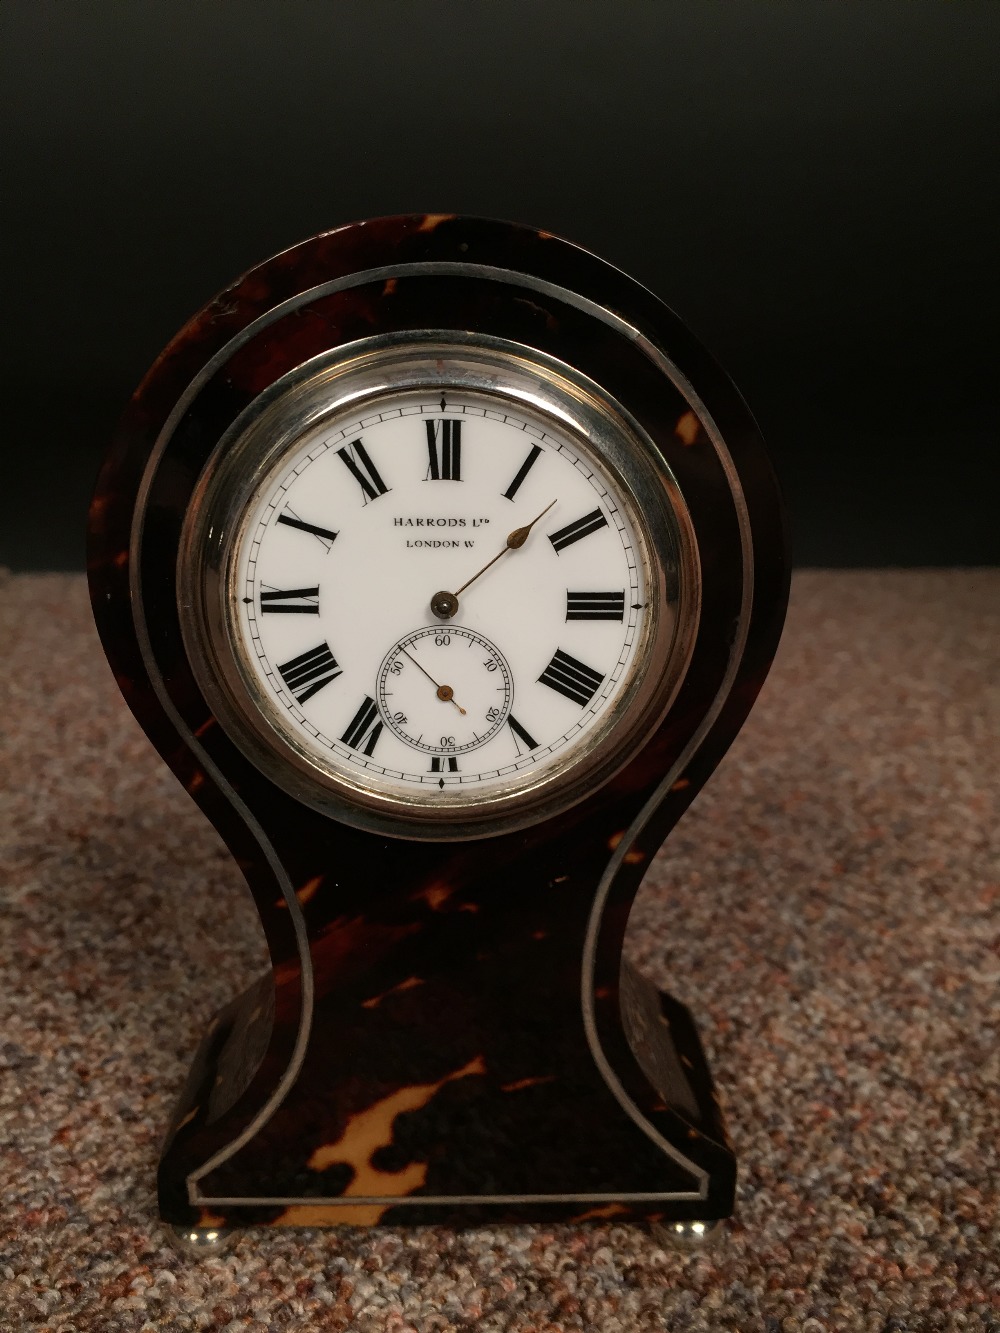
x=447, y=1031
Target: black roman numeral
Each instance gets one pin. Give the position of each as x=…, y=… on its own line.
x=365, y=728
x=290, y=601
x=444, y=451
x=521, y=734
x=448, y=764
x=309, y=672
x=356, y=459
x=326, y=536
x=583, y=527
x=595, y=606
x=523, y=471
x=571, y=678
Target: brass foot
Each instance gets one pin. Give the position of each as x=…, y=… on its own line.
x=687, y=1235
x=200, y=1240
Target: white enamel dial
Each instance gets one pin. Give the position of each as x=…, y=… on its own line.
x=364, y=520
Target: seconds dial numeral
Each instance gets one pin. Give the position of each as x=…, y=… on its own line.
x=573, y=532
x=365, y=728
x=574, y=679
x=356, y=459
x=595, y=606
x=310, y=671
x=444, y=451
x=290, y=601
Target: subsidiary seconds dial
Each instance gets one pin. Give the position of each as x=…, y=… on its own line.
x=447, y=665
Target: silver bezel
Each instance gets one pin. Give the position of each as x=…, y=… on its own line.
x=353, y=378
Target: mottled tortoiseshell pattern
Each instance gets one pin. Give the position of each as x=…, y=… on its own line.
x=447, y=1058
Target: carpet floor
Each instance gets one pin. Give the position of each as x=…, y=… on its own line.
x=830, y=910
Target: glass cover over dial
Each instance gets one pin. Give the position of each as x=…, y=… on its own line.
x=436, y=596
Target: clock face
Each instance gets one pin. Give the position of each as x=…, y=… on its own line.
x=440, y=597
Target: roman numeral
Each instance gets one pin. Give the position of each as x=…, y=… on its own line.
x=572, y=678
x=326, y=536
x=520, y=734
x=297, y=601
x=573, y=532
x=595, y=606
x=309, y=672
x=356, y=459
x=444, y=451
x=441, y=764
x=365, y=728
x=523, y=471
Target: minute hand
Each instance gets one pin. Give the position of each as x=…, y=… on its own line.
x=445, y=604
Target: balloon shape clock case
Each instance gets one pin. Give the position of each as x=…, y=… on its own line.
x=442, y=565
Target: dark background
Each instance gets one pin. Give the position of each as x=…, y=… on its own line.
x=811, y=185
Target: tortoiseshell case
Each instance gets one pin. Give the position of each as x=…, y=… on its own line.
x=448, y=1031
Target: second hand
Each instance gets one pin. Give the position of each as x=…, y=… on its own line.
x=444, y=692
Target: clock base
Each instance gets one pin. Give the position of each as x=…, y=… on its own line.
x=412, y=1131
